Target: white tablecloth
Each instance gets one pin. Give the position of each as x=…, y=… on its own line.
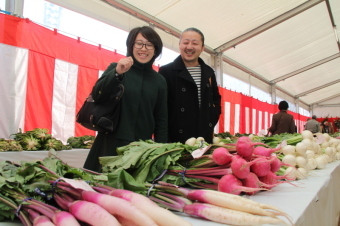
x=312, y=202
x=74, y=157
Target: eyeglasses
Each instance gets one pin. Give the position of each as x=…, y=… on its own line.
x=139, y=45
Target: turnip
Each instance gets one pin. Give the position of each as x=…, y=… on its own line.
x=289, y=159
x=320, y=162
x=240, y=167
x=310, y=154
x=327, y=137
x=228, y=216
x=308, y=143
x=337, y=155
x=290, y=173
x=62, y=218
x=118, y=206
x=311, y=163
x=301, y=161
x=306, y=134
x=262, y=151
x=301, y=149
x=221, y=156
x=329, y=151
x=92, y=214
x=231, y=184
x=301, y=173
x=325, y=144
x=288, y=150
x=245, y=146
x=216, y=140
x=160, y=215
x=191, y=141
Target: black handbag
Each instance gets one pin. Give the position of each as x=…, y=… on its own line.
x=101, y=117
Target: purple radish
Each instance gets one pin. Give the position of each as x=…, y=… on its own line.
x=240, y=167
x=221, y=156
x=232, y=185
x=263, y=151
x=245, y=146
x=261, y=168
x=276, y=164
x=252, y=181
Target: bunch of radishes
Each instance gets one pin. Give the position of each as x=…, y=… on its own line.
x=309, y=154
x=253, y=167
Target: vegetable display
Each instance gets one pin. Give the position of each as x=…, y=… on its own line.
x=50, y=192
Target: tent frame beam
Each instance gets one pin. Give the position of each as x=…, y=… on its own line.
x=303, y=7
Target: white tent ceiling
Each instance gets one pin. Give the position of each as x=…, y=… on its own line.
x=290, y=44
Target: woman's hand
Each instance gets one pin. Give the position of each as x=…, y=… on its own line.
x=124, y=65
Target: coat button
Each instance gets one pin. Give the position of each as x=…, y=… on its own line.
x=180, y=131
x=210, y=125
x=182, y=109
x=183, y=89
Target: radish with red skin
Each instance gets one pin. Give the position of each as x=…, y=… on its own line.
x=273, y=179
x=228, y=216
x=231, y=184
x=92, y=214
x=43, y=221
x=245, y=146
x=276, y=164
x=161, y=216
x=221, y=156
x=263, y=151
x=62, y=218
x=261, y=168
x=118, y=206
x=240, y=167
x=252, y=181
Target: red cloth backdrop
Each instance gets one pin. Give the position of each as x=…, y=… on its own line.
x=47, y=50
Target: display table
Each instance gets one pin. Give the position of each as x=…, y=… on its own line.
x=315, y=202
x=73, y=157
x=311, y=202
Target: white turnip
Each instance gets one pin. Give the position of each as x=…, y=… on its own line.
x=289, y=159
x=288, y=150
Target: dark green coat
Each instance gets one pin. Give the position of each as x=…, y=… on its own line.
x=143, y=110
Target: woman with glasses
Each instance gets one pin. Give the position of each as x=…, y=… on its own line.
x=144, y=102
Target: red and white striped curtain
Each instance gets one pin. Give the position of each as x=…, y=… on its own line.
x=46, y=76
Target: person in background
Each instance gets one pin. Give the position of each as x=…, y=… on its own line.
x=144, y=102
x=194, y=102
x=327, y=127
x=282, y=122
x=313, y=125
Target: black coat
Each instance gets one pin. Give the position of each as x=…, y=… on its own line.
x=186, y=118
x=143, y=110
